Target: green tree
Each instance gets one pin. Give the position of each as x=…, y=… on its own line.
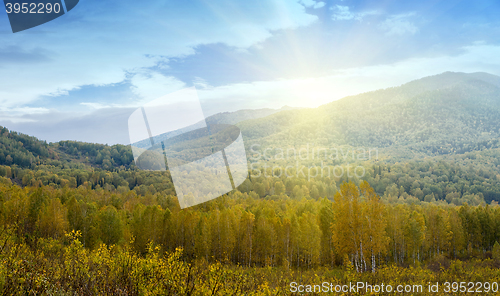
x=110, y=225
x=52, y=221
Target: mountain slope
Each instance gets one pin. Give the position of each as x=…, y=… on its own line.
x=219, y=118
x=442, y=114
x=27, y=151
x=450, y=113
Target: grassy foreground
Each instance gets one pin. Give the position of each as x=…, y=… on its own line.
x=68, y=268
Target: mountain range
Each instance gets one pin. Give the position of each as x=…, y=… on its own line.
x=446, y=114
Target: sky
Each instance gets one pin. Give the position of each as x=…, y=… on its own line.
x=80, y=76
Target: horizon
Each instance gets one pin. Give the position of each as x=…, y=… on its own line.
x=285, y=107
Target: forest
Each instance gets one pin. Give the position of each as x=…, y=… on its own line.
x=81, y=219
x=96, y=241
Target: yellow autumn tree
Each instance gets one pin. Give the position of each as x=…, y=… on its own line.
x=52, y=221
x=375, y=237
x=359, y=225
x=348, y=227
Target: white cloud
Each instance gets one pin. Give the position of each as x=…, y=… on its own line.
x=150, y=85
x=341, y=13
x=96, y=106
x=15, y=114
x=312, y=92
x=106, y=125
x=399, y=25
x=200, y=83
x=312, y=3
x=98, y=43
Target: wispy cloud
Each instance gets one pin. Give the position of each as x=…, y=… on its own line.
x=399, y=24
x=150, y=85
x=98, y=44
x=105, y=57
x=312, y=4
x=342, y=13
x=307, y=92
x=17, y=114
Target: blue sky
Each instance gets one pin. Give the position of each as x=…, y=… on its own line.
x=80, y=76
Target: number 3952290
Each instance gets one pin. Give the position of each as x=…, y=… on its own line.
x=33, y=8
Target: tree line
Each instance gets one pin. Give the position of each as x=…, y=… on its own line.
x=244, y=229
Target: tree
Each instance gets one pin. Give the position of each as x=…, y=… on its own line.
x=310, y=239
x=375, y=223
x=414, y=232
x=348, y=227
x=110, y=225
x=397, y=215
x=298, y=193
x=325, y=218
x=496, y=251
x=458, y=242
x=246, y=231
x=439, y=233
x=279, y=188
x=260, y=189
x=146, y=226
x=52, y=221
x=314, y=192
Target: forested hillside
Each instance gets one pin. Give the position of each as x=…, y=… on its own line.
x=81, y=219
x=27, y=152
x=451, y=113
x=436, y=140
x=22, y=150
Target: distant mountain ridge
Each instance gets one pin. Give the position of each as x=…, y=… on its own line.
x=219, y=118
